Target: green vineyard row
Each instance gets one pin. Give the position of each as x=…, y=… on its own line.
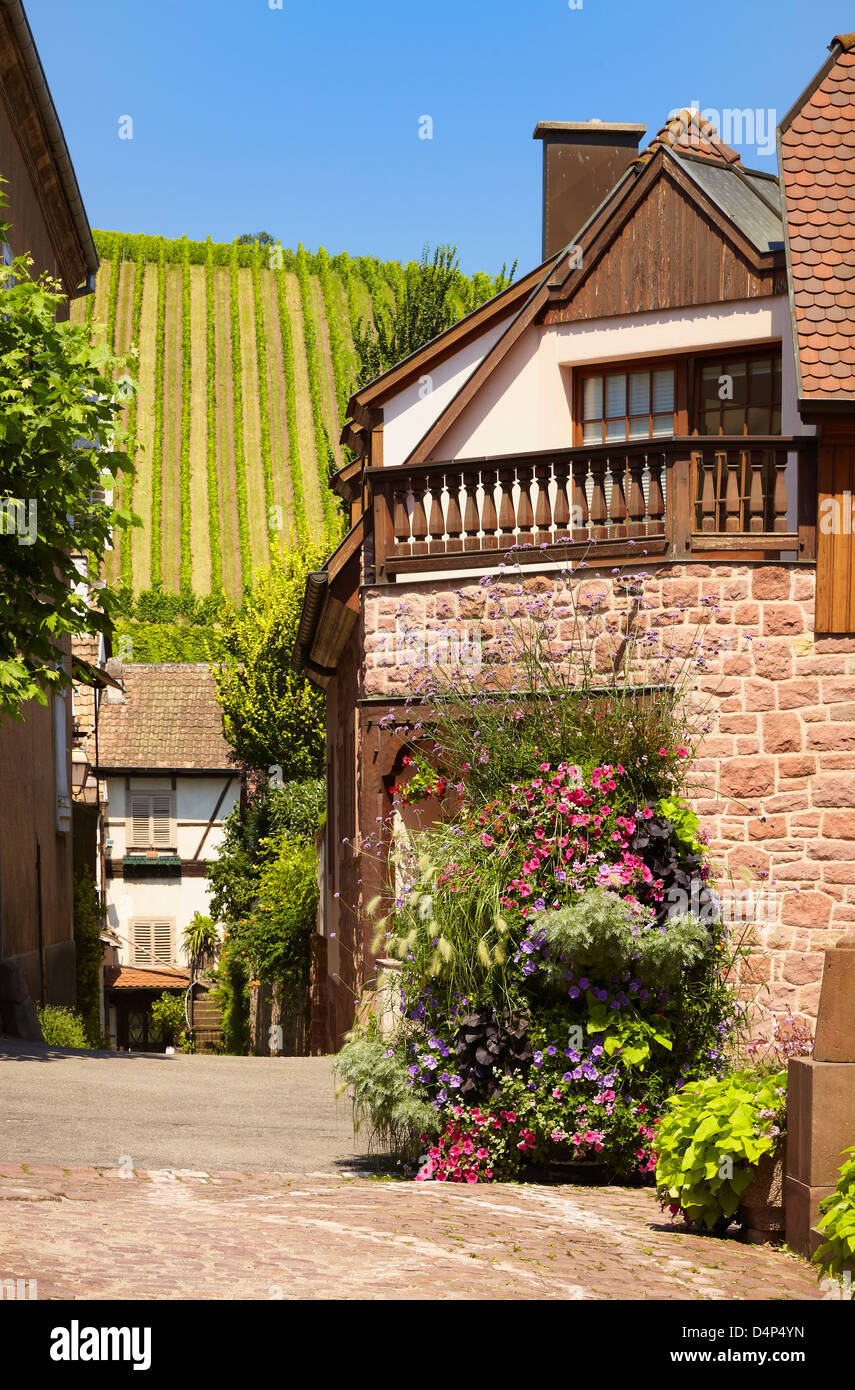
x=246, y=364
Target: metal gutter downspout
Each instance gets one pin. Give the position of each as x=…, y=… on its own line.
x=313, y=601
x=71, y=188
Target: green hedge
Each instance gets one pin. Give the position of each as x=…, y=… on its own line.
x=237, y=422
x=161, y=642
x=322, y=446
x=211, y=414
x=263, y=397
x=157, y=445
x=186, y=563
x=126, y=557
x=299, y=500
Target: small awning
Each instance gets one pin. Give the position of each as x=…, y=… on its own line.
x=145, y=977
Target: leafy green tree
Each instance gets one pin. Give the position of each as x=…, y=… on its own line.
x=429, y=297
x=273, y=716
x=59, y=424
x=256, y=239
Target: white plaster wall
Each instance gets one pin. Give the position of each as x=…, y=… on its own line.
x=410, y=414
x=527, y=402
x=176, y=898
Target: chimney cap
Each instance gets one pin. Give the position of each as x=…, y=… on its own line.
x=544, y=129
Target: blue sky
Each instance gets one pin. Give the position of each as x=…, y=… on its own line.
x=304, y=121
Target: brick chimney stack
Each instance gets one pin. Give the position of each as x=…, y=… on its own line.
x=582, y=162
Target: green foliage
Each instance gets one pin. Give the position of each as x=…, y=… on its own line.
x=186, y=558
x=601, y=931
x=211, y=415
x=276, y=937
x=167, y=642
x=156, y=537
x=381, y=1097
x=427, y=298
x=89, y=951
x=837, y=1221
x=237, y=422
x=712, y=1137
x=200, y=937
x=299, y=502
x=167, y=1014
x=126, y=565
x=272, y=715
x=342, y=382
x=255, y=239
x=322, y=444
x=263, y=398
x=60, y=418
x=232, y=995
x=62, y=1027
x=292, y=811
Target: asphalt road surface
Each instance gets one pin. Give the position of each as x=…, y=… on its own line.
x=257, y=1114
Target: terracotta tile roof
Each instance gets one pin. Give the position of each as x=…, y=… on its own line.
x=818, y=176
x=689, y=133
x=146, y=977
x=168, y=718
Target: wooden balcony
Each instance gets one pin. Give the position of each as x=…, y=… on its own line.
x=677, y=499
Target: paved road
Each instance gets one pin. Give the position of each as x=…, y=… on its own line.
x=218, y=1236
x=65, y=1107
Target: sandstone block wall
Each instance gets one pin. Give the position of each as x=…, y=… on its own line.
x=774, y=779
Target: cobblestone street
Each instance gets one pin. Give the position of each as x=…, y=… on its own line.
x=82, y=1233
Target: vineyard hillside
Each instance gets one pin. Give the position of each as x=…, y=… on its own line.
x=246, y=363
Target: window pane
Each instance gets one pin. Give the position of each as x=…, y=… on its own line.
x=592, y=433
x=733, y=420
x=616, y=396
x=776, y=421
x=663, y=424
x=639, y=393
x=640, y=428
x=737, y=383
x=710, y=398
x=615, y=429
x=663, y=390
x=592, y=398
x=761, y=381
x=758, y=419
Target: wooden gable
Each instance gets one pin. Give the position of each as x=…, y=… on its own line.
x=668, y=251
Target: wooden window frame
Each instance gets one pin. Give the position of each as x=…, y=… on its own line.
x=756, y=352
x=626, y=366
x=130, y=844
x=150, y=922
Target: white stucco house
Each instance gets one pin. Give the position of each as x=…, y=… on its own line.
x=167, y=785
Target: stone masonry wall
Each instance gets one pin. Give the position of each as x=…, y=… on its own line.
x=778, y=765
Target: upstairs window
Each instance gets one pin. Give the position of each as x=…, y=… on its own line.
x=625, y=405
x=738, y=394
x=150, y=824
x=151, y=942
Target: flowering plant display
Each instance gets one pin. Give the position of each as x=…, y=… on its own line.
x=563, y=962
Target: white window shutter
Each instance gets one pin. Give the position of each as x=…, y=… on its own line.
x=163, y=943
x=140, y=822
x=161, y=820
x=142, y=940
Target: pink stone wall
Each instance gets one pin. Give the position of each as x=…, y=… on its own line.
x=777, y=768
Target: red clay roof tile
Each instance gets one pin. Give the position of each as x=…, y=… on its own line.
x=170, y=718
x=819, y=189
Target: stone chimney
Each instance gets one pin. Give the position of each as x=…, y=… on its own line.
x=582, y=162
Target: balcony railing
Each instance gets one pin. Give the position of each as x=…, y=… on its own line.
x=677, y=498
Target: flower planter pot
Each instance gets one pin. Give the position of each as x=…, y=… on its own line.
x=761, y=1210
x=577, y=1172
